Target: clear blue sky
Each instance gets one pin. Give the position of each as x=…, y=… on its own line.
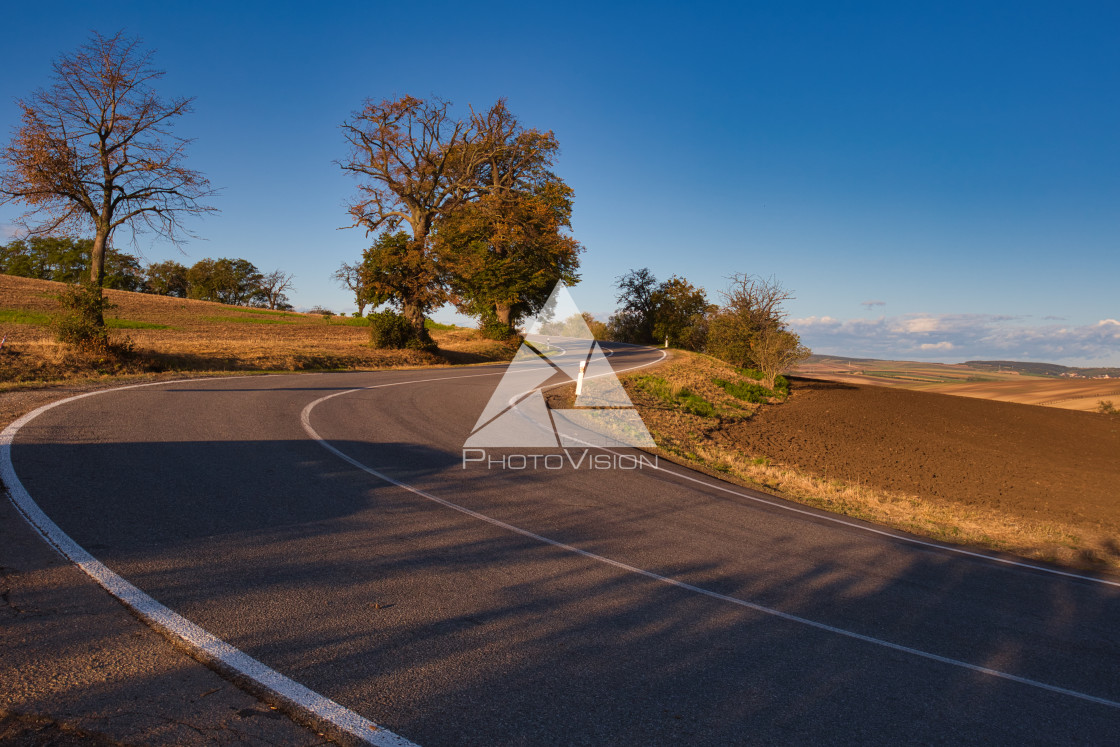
x=933, y=181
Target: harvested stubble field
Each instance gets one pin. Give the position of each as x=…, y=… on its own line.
x=963, y=381
x=1039, y=482
x=173, y=334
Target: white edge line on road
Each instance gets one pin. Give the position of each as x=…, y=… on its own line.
x=305, y=420
x=246, y=671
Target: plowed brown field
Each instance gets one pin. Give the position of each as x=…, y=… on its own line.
x=1034, y=462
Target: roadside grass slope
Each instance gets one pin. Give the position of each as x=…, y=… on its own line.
x=184, y=335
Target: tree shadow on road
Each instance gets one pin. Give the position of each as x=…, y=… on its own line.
x=452, y=630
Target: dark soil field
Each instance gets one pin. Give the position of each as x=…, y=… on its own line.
x=1035, y=462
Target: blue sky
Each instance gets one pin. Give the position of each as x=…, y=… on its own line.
x=933, y=183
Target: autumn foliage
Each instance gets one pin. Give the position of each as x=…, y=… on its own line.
x=487, y=218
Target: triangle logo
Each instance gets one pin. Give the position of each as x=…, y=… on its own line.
x=559, y=348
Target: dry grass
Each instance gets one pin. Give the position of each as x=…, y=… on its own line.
x=182, y=335
x=702, y=443
x=978, y=526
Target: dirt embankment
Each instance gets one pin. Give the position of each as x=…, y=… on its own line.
x=1035, y=462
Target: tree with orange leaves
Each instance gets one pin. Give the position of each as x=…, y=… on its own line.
x=96, y=150
x=504, y=251
x=487, y=215
x=414, y=164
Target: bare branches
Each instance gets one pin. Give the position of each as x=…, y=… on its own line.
x=750, y=330
x=274, y=287
x=415, y=162
x=757, y=299
x=350, y=276
x=96, y=150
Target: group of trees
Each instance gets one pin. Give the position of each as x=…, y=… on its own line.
x=462, y=210
x=748, y=330
x=674, y=311
x=486, y=218
x=232, y=281
x=67, y=261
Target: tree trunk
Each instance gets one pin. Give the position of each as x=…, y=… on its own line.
x=421, y=226
x=97, y=269
x=502, y=311
x=97, y=260
x=415, y=316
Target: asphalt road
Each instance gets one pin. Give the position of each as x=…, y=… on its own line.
x=569, y=606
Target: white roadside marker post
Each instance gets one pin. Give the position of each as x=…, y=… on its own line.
x=579, y=379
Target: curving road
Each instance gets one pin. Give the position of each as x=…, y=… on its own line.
x=458, y=605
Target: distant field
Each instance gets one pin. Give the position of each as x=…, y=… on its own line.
x=178, y=334
x=964, y=381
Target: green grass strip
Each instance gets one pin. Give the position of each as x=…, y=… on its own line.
x=19, y=316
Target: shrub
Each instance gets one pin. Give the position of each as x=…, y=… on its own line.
x=745, y=390
x=492, y=329
x=695, y=404
x=756, y=393
x=388, y=329
x=81, y=323
x=1105, y=407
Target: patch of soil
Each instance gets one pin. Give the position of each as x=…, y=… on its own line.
x=1034, y=462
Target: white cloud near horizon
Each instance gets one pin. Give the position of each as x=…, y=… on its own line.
x=960, y=337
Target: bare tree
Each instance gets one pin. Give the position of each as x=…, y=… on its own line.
x=414, y=163
x=775, y=351
x=273, y=288
x=96, y=149
x=757, y=299
x=749, y=330
x=350, y=276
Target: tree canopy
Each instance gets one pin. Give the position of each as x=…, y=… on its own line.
x=413, y=163
x=67, y=260
x=396, y=273
x=505, y=250
x=487, y=215
x=96, y=150
x=231, y=281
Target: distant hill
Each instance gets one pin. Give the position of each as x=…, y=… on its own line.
x=1042, y=369
x=841, y=359
x=1008, y=367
